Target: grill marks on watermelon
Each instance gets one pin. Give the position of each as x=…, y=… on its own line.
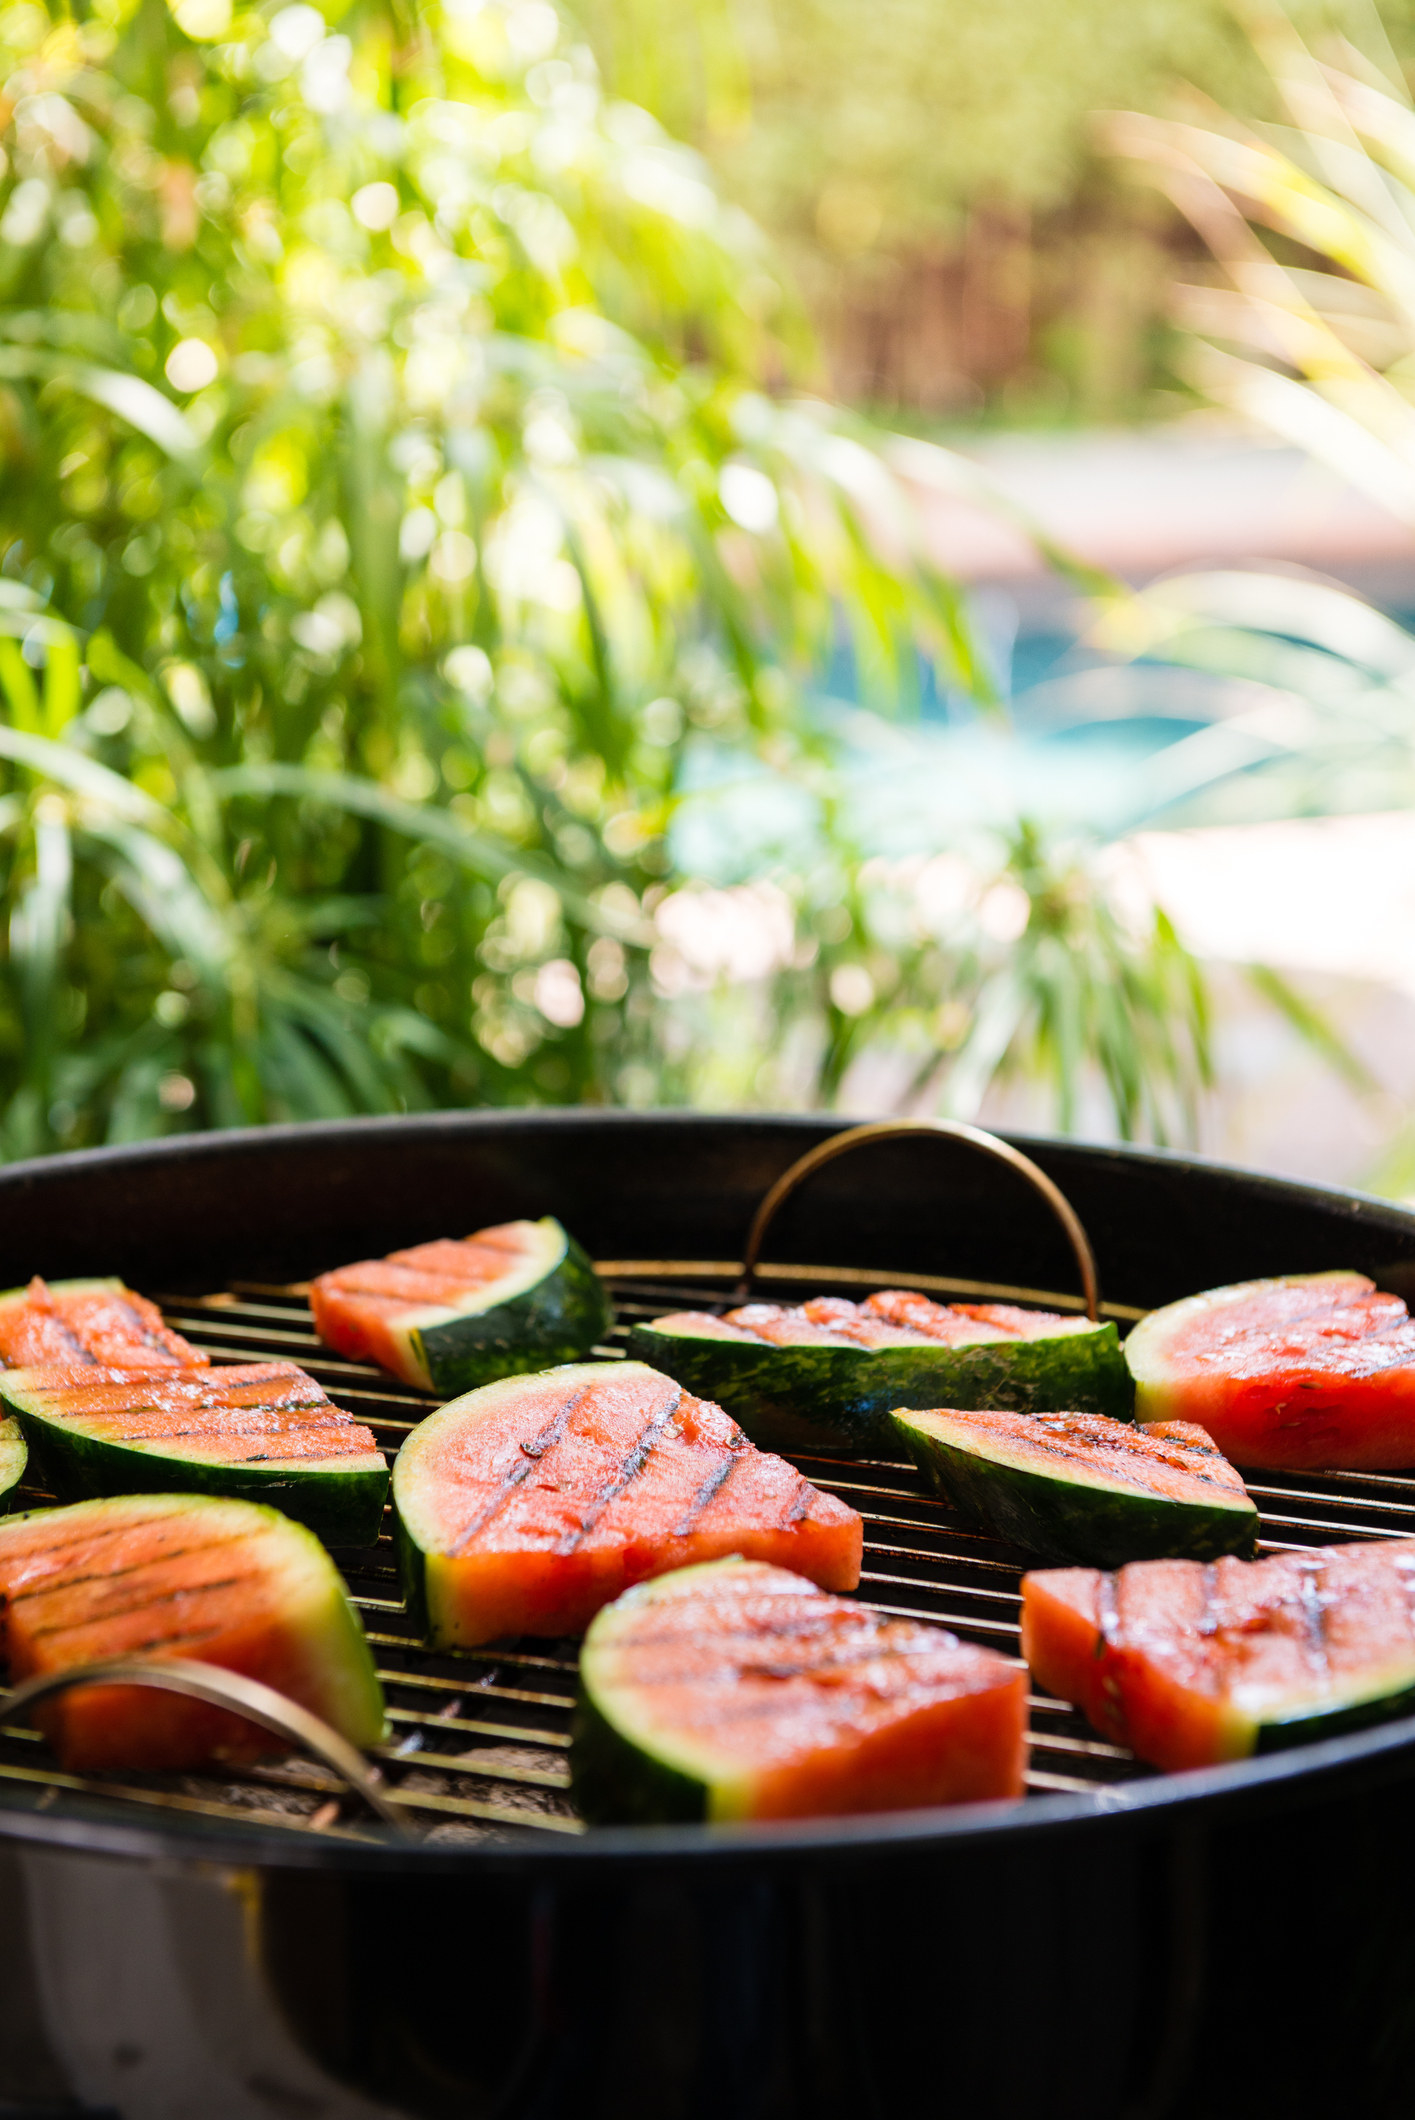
x=1189, y=1664
x=1310, y=1372
x=179, y=1576
x=622, y=1479
x=253, y=1413
x=366, y=1310
x=526, y=1506
x=1078, y=1486
x=425, y=1277
x=87, y=1324
x=517, y=1472
x=263, y=1431
x=458, y=1312
x=738, y=1690
x=895, y=1317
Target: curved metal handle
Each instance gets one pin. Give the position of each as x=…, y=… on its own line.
x=218, y=1688
x=954, y=1130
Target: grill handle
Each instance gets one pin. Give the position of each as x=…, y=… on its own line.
x=953, y=1130
x=219, y=1688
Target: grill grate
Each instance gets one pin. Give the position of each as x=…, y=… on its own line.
x=478, y=1741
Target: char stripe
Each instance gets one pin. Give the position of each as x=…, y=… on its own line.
x=142, y=1604
x=203, y=1398
x=1106, y=1457
x=186, y=1435
x=854, y=1658
x=531, y=1455
x=801, y=1506
x=797, y=1626
x=75, y=1342
x=145, y=1332
x=625, y=1477
x=113, y=1575
x=729, y=1709
x=187, y=1636
x=711, y=1487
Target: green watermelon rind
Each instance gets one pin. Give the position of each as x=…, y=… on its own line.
x=341, y=1504
x=840, y=1398
x=342, y=1655
x=412, y=1563
x=623, y=1770
x=614, y=1781
x=14, y=1456
x=1160, y=1394
x=11, y=1298
x=553, y=1310
x=1309, y=1725
x=1074, y=1515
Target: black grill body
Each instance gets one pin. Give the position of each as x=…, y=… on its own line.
x=1157, y=1948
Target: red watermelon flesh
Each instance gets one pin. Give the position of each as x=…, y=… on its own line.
x=226, y=1582
x=895, y=1317
x=357, y=1308
x=1191, y=1663
x=89, y=1322
x=1305, y=1373
x=789, y=1703
x=535, y=1501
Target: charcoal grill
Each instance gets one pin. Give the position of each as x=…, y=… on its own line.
x=1122, y=1943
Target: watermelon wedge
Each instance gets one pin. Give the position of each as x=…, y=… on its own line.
x=455, y=1313
x=85, y=1322
x=181, y=1576
x=1078, y=1487
x=1190, y=1664
x=738, y=1690
x=527, y=1505
x=263, y=1431
x=825, y=1375
x=1306, y=1373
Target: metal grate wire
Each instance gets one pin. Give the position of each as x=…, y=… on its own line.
x=478, y=1740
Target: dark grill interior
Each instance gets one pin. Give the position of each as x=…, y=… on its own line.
x=478, y=1744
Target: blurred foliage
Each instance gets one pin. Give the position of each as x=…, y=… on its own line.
x=399, y=488
x=880, y=124
x=895, y=144
x=945, y=979
x=1310, y=331
x=1312, y=222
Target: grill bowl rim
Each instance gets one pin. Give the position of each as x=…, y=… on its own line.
x=1358, y=1758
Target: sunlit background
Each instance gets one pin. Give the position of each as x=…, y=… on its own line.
x=779, y=555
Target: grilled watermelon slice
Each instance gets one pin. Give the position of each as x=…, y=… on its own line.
x=1305, y=1373
x=169, y=1575
x=260, y=1430
x=737, y=1690
x=1079, y=1487
x=527, y=1505
x=825, y=1375
x=82, y=1323
x=1189, y=1664
x=459, y=1312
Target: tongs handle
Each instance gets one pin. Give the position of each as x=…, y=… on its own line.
x=953, y=1130
x=218, y=1688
